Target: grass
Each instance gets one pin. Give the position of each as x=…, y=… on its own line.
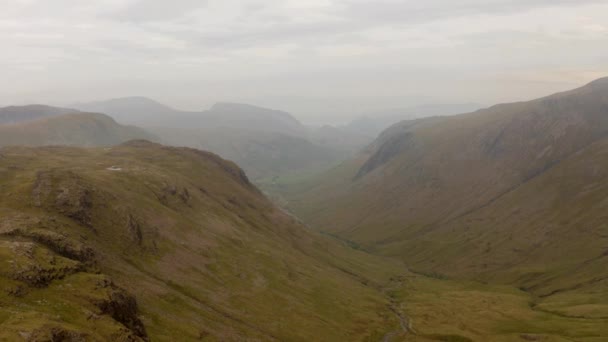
x=203, y=252
x=449, y=310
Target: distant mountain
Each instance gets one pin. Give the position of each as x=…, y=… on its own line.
x=514, y=194
x=137, y=110
x=267, y=143
x=143, y=242
x=77, y=129
x=340, y=138
x=252, y=118
x=373, y=124
x=145, y=112
x=264, y=155
x=16, y=114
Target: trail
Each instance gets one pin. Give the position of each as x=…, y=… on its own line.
x=405, y=323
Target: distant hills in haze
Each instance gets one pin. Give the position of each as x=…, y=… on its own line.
x=374, y=123
x=146, y=112
x=43, y=125
x=267, y=143
x=17, y=114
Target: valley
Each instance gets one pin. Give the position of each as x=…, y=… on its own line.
x=511, y=198
x=443, y=229
x=304, y=171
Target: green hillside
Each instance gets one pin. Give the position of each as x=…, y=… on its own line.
x=511, y=195
x=144, y=241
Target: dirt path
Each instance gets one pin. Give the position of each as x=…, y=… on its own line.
x=405, y=323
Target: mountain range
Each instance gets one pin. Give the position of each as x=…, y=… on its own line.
x=268, y=144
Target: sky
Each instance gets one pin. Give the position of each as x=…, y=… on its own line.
x=322, y=60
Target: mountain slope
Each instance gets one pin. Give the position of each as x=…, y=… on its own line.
x=373, y=124
x=17, y=114
x=512, y=194
x=80, y=129
x=135, y=110
x=142, y=241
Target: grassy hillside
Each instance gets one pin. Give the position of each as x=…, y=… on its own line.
x=513, y=194
x=79, y=129
x=143, y=241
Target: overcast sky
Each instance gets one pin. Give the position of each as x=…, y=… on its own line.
x=323, y=60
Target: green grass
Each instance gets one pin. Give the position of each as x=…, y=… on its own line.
x=203, y=252
x=448, y=310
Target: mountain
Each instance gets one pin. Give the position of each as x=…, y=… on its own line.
x=372, y=124
x=511, y=195
x=252, y=118
x=148, y=113
x=136, y=110
x=269, y=144
x=77, y=129
x=145, y=242
x=264, y=156
x=17, y=114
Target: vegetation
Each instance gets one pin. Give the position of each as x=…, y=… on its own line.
x=156, y=242
x=513, y=196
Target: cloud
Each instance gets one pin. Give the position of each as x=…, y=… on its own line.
x=209, y=50
x=142, y=11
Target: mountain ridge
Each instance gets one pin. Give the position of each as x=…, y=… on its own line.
x=76, y=129
x=18, y=114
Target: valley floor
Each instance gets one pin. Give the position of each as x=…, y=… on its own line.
x=450, y=310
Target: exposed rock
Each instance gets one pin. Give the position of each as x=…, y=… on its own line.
x=66, y=192
x=134, y=230
x=58, y=243
x=34, y=265
x=51, y=333
x=121, y=306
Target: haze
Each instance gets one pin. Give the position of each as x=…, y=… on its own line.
x=322, y=60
